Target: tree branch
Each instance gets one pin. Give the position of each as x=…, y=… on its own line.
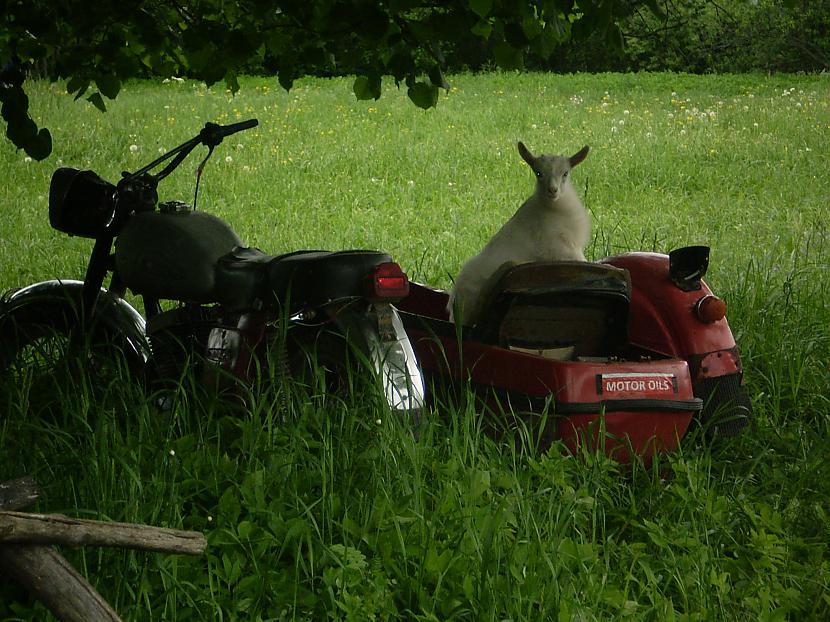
x=19, y=527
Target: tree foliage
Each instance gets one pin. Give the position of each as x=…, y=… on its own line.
x=95, y=51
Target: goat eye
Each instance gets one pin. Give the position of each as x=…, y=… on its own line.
x=566, y=174
x=538, y=173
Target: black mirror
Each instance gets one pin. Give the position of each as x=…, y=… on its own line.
x=687, y=266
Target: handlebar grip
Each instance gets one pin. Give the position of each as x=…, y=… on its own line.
x=233, y=128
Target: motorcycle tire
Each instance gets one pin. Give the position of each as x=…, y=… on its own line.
x=49, y=357
x=727, y=409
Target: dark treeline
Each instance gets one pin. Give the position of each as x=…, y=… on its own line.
x=695, y=36
x=706, y=36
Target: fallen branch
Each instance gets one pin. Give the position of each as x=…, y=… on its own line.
x=26, y=557
x=20, y=527
x=47, y=575
x=18, y=493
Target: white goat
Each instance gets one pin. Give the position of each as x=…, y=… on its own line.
x=551, y=225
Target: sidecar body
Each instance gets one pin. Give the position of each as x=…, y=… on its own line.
x=626, y=353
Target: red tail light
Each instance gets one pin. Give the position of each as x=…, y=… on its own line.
x=387, y=282
x=710, y=309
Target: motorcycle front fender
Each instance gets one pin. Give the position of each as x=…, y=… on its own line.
x=111, y=312
x=380, y=334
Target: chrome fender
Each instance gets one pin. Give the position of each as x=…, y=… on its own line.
x=387, y=345
x=111, y=311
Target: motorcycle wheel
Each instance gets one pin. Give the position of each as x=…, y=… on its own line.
x=49, y=358
x=727, y=409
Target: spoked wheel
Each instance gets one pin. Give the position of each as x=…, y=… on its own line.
x=49, y=357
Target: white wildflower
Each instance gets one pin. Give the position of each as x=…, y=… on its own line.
x=228, y=159
x=134, y=148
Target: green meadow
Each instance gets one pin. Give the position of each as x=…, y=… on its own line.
x=333, y=510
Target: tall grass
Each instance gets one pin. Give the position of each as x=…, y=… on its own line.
x=331, y=510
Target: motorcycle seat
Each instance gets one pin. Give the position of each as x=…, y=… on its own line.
x=247, y=275
x=581, y=307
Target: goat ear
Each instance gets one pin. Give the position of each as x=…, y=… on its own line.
x=526, y=155
x=578, y=156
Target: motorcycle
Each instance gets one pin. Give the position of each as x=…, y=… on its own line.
x=627, y=353
x=212, y=307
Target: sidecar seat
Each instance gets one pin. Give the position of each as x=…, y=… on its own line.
x=562, y=309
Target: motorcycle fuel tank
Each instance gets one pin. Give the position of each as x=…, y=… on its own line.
x=173, y=254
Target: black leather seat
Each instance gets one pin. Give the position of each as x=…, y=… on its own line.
x=246, y=275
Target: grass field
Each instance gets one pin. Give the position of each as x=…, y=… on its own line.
x=337, y=516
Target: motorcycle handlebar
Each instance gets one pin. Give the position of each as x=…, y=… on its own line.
x=212, y=134
x=233, y=128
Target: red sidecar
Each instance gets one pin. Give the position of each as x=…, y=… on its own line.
x=635, y=346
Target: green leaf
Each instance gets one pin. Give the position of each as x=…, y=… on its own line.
x=481, y=7
x=41, y=146
x=108, y=86
x=515, y=36
x=424, y=95
x=436, y=76
x=366, y=87
x=97, y=101
x=532, y=27
x=78, y=86
x=286, y=77
x=20, y=129
x=507, y=57
x=482, y=29
x=231, y=82
x=401, y=64
x=244, y=529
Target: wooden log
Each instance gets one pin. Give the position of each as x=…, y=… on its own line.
x=20, y=527
x=49, y=577
x=18, y=493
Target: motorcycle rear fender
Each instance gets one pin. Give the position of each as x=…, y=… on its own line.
x=663, y=319
x=112, y=312
x=380, y=335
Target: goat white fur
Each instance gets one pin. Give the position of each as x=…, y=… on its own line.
x=551, y=225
